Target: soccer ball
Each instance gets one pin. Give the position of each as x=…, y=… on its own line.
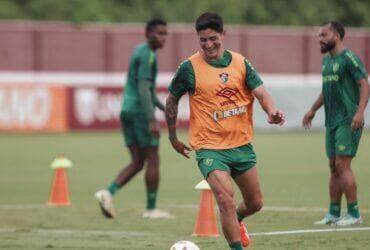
x=184, y=245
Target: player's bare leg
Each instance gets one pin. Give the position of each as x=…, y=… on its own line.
x=152, y=178
x=335, y=193
x=152, y=170
x=220, y=183
x=347, y=178
x=249, y=186
x=335, y=189
x=137, y=163
x=105, y=196
x=349, y=187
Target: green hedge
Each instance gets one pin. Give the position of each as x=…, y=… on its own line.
x=266, y=12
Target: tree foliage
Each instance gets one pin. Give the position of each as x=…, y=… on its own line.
x=266, y=12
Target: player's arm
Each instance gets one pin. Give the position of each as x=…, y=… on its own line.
x=156, y=101
x=145, y=96
x=359, y=74
x=358, y=118
x=182, y=83
x=274, y=116
x=255, y=84
x=308, y=117
x=172, y=103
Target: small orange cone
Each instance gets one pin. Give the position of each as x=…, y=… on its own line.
x=206, y=223
x=59, y=195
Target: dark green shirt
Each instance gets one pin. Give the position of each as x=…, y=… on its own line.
x=340, y=76
x=184, y=79
x=139, y=95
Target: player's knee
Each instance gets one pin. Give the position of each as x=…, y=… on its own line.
x=225, y=203
x=138, y=164
x=339, y=168
x=256, y=205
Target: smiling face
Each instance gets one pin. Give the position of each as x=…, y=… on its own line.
x=211, y=43
x=327, y=38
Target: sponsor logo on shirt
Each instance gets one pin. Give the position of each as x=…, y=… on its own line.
x=227, y=92
x=224, y=114
x=330, y=78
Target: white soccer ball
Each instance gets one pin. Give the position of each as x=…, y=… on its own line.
x=184, y=245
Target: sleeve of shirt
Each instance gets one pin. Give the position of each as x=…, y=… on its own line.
x=252, y=80
x=145, y=62
x=356, y=67
x=183, y=81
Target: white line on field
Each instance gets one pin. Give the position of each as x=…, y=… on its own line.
x=273, y=208
x=75, y=233
x=119, y=234
x=190, y=206
x=311, y=231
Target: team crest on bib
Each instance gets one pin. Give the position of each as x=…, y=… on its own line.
x=335, y=67
x=224, y=77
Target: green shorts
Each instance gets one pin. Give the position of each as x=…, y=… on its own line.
x=235, y=160
x=341, y=140
x=135, y=130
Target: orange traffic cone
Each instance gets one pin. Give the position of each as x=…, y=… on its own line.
x=59, y=195
x=206, y=223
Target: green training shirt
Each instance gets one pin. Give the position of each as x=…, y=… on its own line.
x=184, y=79
x=340, y=88
x=140, y=90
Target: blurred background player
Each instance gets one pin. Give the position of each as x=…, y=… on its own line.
x=222, y=85
x=139, y=126
x=345, y=93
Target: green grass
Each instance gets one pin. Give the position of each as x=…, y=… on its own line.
x=293, y=171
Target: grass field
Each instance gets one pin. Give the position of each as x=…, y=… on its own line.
x=293, y=170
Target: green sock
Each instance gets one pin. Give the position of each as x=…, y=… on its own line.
x=352, y=209
x=240, y=217
x=334, y=209
x=113, y=188
x=236, y=246
x=151, y=199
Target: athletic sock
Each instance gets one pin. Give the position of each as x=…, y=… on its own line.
x=113, y=188
x=236, y=245
x=240, y=217
x=352, y=209
x=334, y=209
x=151, y=199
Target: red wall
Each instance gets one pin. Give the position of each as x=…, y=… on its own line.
x=98, y=48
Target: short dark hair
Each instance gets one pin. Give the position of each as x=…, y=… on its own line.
x=209, y=20
x=337, y=27
x=152, y=23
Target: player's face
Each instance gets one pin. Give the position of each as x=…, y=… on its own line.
x=157, y=36
x=210, y=42
x=327, y=38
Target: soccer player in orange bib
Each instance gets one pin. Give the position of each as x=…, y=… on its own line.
x=222, y=86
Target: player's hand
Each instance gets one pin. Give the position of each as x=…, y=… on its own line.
x=154, y=128
x=307, y=119
x=180, y=147
x=357, y=121
x=277, y=117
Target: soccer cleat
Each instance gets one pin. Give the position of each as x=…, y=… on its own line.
x=348, y=220
x=327, y=220
x=156, y=214
x=105, y=199
x=244, y=237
